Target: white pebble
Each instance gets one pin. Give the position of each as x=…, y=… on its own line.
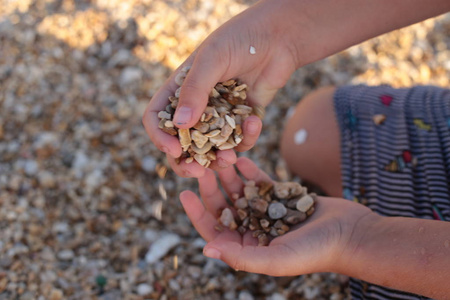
x=252, y=50
x=161, y=247
x=144, y=289
x=31, y=167
x=148, y=164
x=300, y=136
x=66, y=254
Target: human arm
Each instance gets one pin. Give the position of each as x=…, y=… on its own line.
x=286, y=34
x=341, y=236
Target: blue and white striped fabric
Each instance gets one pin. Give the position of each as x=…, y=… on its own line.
x=395, y=153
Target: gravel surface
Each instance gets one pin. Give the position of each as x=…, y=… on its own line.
x=83, y=211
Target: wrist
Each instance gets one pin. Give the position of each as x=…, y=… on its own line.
x=366, y=229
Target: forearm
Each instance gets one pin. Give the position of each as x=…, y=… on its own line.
x=319, y=28
x=402, y=253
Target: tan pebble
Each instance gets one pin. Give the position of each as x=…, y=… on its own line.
x=199, y=139
x=254, y=224
x=238, y=130
x=214, y=93
x=242, y=110
x=170, y=130
x=201, y=159
x=56, y=294
x=310, y=211
x=218, y=140
x=161, y=170
x=379, y=119
x=276, y=210
x=213, y=133
x=229, y=82
x=305, y=203
x=179, y=78
x=226, y=217
x=240, y=88
x=241, y=203
x=242, y=229
x=259, y=111
x=250, y=191
x=259, y=205
x=161, y=123
x=202, y=150
x=177, y=92
x=168, y=124
x=234, y=196
x=226, y=130
x=285, y=190
x=211, y=155
x=202, y=127
x=230, y=121
x=174, y=104
x=257, y=232
x=242, y=214
x=264, y=188
x=185, y=138
x=264, y=223
x=226, y=146
x=189, y=160
x=294, y=217
x=263, y=240
x=173, y=98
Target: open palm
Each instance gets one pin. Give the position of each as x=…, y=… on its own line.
x=316, y=245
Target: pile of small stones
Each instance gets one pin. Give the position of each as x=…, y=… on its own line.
x=268, y=209
x=220, y=126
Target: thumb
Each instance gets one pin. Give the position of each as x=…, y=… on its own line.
x=207, y=69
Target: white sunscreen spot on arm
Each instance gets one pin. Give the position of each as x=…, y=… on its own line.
x=300, y=136
x=252, y=50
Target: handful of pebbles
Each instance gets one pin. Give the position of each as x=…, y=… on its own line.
x=268, y=209
x=220, y=126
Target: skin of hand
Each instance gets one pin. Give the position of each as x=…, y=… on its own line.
x=342, y=236
x=285, y=34
x=315, y=245
x=223, y=55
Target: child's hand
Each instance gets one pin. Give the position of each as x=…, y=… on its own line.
x=254, y=47
x=323, y=243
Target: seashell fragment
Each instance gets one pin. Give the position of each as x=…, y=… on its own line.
x=227, y=219
x=201, y=159
x=230, y=121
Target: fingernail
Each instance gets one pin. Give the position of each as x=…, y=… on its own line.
x=211, y=253
x=183, y=115
x=222, y=163
x=252, y=127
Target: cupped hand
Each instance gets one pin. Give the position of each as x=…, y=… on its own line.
x=322, y=243
x=252, y=47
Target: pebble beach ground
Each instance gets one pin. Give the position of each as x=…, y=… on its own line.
x=84, y=212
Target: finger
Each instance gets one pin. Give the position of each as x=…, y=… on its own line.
x=163, y=141
x=250, y=171
x=207, y=69
x=251, y=129
x=224, y=159
x=183, y=169
x=201, y=219
x=211, y=195
x=231, y=181
x=255, y=259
